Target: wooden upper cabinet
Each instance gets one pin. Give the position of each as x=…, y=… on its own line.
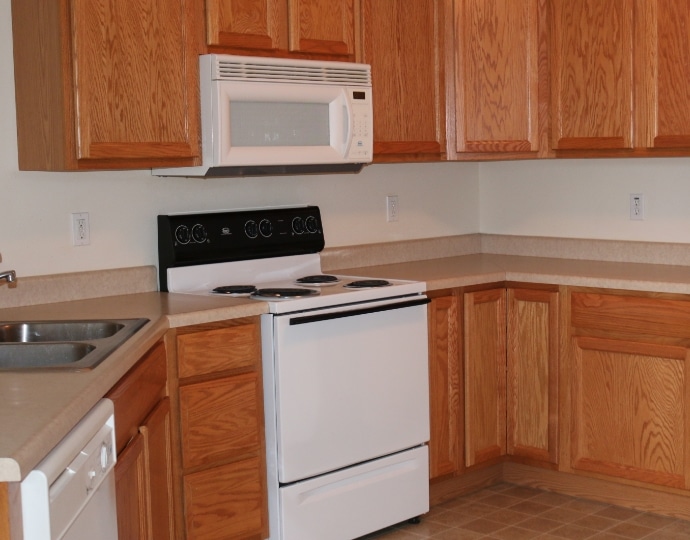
x=106, y=84
x=592, y=74
x=499, y=107
x=663, y=56
x=404, y=43
x=303, y=28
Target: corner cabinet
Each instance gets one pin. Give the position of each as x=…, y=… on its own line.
x=302, y=28
x=404, y=42
x=104, y=84
x=629, y=378
x=619, y=71
x=493, y=372
x=501, y=89
x=143, y=472
x=219, y=450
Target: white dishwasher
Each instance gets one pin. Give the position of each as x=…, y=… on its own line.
x=70, y=495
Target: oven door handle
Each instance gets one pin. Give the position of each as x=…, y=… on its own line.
x=306, y=319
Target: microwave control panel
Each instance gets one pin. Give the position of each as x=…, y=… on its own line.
x=362, y=140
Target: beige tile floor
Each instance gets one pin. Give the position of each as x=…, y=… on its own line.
x=510, y=512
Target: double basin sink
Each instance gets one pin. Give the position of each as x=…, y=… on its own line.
x=62, y=345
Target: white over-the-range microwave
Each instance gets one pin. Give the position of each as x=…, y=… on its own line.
x=270, y=116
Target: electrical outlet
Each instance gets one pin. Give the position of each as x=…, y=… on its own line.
x=636, y=206
x=392, y=209
x=81, y=231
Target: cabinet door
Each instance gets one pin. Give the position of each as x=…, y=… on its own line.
x=445, y=386
x=136, y=94
x=485, y=375
x=592, y=74
x=323, y=27
x=132, y=492
x=497, y=75
x=157, y=444
x=629, y=403
x=532, y=386
x=247, y=24
x=403, y=41
x=663, y=55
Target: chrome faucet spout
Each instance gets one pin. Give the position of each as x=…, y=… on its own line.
x=10, y=276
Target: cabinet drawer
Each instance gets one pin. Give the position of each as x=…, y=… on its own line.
x=226, y=502
x=220, y=419
x=137, y=393
x=634, y=317
x=218, y=349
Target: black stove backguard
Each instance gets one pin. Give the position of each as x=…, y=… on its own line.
x=207, y=238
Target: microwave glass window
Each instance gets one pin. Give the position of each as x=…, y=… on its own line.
x=264, y=123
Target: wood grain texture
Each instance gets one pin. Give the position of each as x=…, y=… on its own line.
x=485, y=375
x=322, y=27
x=132, y=494
x=219, y=418
x=227, y=502
x=218, y=350
x=247, y=24
x=532, y=387
x=445, y=386
x=592, y=74
x=497, y=75
x=629, y=410
x=404, y=43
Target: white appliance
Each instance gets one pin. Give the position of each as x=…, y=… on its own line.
x=263, y=116
x=70, y=495
x=345, y=369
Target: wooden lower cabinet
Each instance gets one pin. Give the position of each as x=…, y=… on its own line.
x=493, y=375
x=143, y=472
x=219, y=455
x=629, y=375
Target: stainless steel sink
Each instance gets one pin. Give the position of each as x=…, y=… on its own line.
x=28, y=332
x=62, y=345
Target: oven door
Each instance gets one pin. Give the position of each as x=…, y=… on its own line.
x=350, y=385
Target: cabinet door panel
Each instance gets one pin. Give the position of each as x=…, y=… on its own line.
x=247, y=24
x=403, y=42
x=628, y=410
x=497, y=75
x=132, y=492
x=664, y=50
x=445, y=387
x=322, y=27
x=592, y=74
x=485, y=375
x=135, y=79
x=532, y=395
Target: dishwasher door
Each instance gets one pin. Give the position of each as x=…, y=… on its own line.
x=70, y=495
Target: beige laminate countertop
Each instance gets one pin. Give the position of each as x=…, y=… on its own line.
x=38, y=409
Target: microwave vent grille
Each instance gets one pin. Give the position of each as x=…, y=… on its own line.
x=298, y=71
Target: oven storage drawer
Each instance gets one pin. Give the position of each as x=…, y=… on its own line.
x=355, y=501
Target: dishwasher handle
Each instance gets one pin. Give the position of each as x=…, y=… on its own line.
x=306, y=319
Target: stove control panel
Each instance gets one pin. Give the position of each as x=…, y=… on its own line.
x=206, y=238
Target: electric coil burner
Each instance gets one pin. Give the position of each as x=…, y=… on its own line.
x=345, y=368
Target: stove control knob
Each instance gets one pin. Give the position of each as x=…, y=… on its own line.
x=311, y=224
x=298, y=225
x=182, y=234
x=251, y=229
x=199, y=233
x=265, y=228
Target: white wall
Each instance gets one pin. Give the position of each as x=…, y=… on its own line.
x=35, y=207
x=587, y=198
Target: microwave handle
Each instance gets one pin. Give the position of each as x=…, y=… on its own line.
x=347, y=129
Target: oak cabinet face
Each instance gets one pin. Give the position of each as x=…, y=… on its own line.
x=403, y=42
x=283, y=27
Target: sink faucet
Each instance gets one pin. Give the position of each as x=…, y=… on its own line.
x=10, y=276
